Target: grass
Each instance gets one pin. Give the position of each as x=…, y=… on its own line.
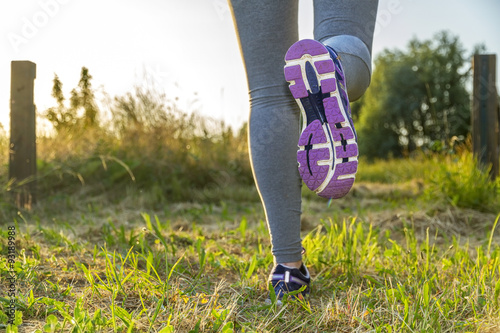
x=389, y=257
x=155, y=226
x=460, y=181
x=203, y=268
x=387, y=172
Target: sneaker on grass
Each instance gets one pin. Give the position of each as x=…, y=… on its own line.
x=288, y=280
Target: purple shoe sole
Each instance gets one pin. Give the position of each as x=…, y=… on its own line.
x=328, y=149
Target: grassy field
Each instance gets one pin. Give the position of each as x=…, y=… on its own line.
x=151, y=223
x=395, y=255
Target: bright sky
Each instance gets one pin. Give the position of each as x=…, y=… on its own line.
x=189, y=46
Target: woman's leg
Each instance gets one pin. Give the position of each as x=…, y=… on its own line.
x=347, y=26
x=266, y=29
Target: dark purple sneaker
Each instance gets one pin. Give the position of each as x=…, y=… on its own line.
x=285, y=280
x=328, y=149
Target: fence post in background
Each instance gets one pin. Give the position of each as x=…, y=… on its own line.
x=485, y=115
x=22, y=148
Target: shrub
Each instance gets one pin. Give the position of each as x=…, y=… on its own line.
x=459, y=180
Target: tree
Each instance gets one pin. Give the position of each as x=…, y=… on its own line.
x=417, y=98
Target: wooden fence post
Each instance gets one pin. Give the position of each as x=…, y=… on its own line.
x=22, y=149
x=485, y=115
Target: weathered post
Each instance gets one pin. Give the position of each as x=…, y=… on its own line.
x=22, y=149
x=485, y=118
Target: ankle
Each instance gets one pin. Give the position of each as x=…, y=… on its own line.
x=294, y=264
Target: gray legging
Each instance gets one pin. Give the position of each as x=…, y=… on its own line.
x=266, y=29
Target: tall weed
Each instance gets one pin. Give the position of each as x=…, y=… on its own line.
x=460, y=181
x=145, y=141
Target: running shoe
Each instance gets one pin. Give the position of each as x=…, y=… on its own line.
x=285, y=279
x=328, y=149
